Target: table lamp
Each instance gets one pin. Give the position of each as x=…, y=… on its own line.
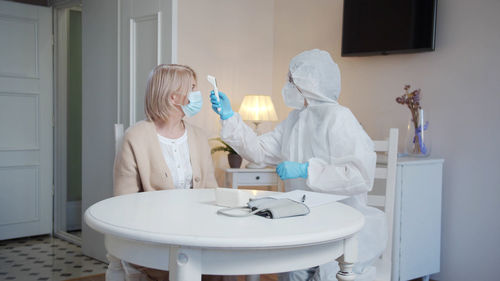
x=257, y=109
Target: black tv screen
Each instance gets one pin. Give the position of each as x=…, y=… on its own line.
x=373, y=27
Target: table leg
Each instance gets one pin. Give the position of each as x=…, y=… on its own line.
x=426, y=278
x=185, y=264
x=227, y=180
x=346, y=261
x=115, y=270
x=235, y=180
x=252, y=278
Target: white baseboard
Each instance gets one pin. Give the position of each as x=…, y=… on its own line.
x=73, y=215
x=436, y=277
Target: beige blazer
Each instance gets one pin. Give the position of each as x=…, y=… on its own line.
x=140, y=166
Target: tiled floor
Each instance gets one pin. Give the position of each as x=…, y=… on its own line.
x=44, y=258
x=52, y=259
x=76, y=233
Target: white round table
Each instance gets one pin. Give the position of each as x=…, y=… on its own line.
x=179, y=231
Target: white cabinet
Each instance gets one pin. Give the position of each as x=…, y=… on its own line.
x=251, y=177
x=417, y=213
x=417, y=218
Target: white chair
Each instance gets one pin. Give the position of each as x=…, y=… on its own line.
x=384, y=148
x=118, y=137
x=388, y=147
x=119, y=270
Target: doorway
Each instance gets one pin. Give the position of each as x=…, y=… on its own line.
x=68, y=122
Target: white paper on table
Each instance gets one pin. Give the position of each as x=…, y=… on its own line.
x=312, y=199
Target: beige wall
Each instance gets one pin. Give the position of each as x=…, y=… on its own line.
x=460, y=84
x=298, y=26
x=233, y=41
x=247, y=45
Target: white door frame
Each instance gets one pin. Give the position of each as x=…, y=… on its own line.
x=127, y=70
x=61, y=28
x=93, y=242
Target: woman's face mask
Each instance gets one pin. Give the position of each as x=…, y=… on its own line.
x=194, y=105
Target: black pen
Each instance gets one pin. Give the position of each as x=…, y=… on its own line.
x=303, y=198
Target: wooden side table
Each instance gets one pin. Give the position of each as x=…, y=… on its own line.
x=252, y=177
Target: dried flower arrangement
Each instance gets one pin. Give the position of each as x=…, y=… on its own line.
x=412, y=101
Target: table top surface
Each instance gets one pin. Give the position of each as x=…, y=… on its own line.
x=188, y=218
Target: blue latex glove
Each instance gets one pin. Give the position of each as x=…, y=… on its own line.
x=224, y=104
x=291, y=170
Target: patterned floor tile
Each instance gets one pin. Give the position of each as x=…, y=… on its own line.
x=44, y=258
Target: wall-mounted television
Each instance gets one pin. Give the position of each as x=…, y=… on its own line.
x=380, y=27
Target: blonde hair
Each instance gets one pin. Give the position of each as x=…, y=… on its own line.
x=164, y=81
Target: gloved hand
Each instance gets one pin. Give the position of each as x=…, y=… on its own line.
x=291, y=170
x=225, y=105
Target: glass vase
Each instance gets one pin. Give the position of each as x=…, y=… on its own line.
x=418, y=142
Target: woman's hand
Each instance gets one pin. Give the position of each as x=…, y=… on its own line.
x=225, y=105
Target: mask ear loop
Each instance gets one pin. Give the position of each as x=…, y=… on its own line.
x=179, y=95
x=178, y=107
x=301, y=94
x=290, y=79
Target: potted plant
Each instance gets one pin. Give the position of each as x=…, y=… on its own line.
x=233, y=157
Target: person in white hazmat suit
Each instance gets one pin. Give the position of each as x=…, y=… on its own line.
x=319, y=147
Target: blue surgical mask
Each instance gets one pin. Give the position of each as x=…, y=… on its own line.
x=194, y=105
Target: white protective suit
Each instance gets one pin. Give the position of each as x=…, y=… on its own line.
x=340, y=154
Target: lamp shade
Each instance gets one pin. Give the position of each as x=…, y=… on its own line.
x=257, y=108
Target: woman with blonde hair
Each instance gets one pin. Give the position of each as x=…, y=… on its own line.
x=163, y=151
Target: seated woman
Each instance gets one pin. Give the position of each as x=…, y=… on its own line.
x=162, y=152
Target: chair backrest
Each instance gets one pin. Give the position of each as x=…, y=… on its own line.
x=386, y=201
x=118, y=137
